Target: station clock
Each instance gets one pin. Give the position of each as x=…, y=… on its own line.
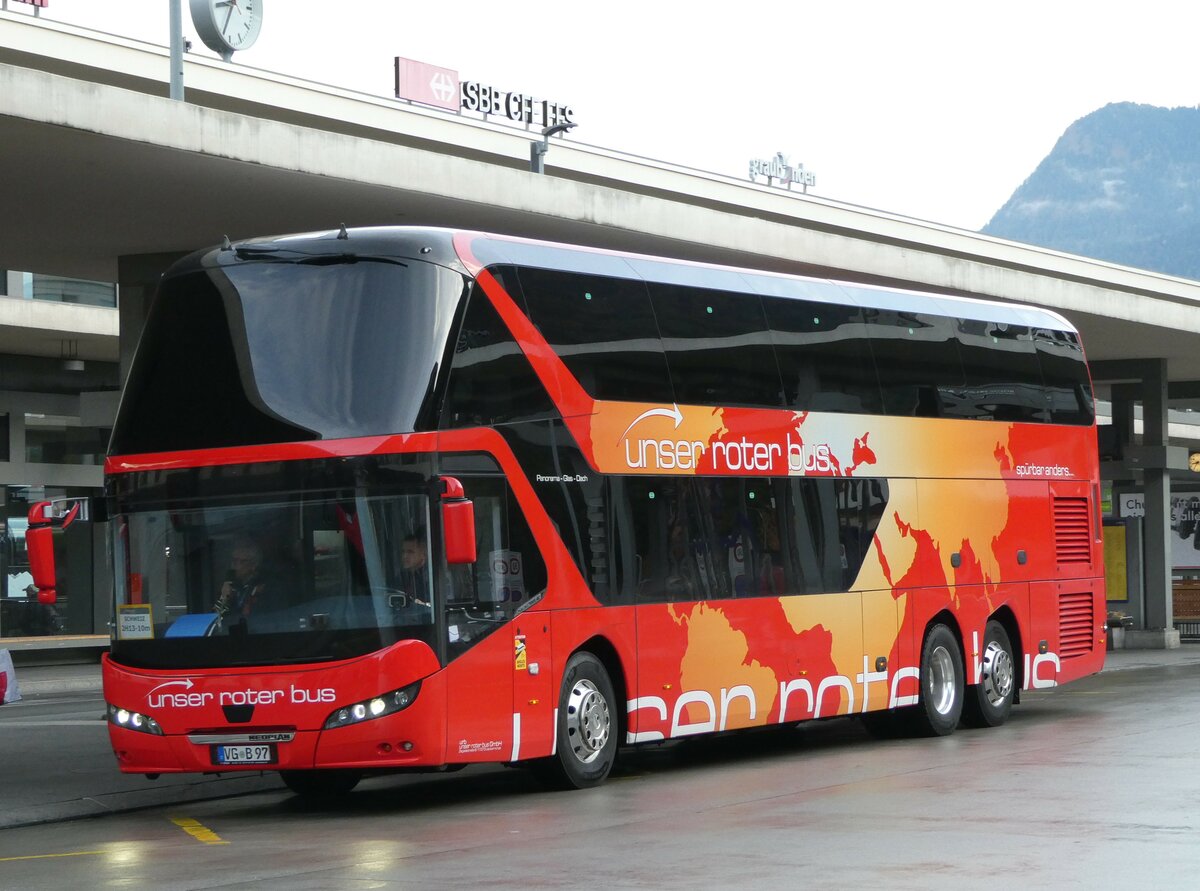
x=227, y=26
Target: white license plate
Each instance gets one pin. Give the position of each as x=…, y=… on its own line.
x=248, y=754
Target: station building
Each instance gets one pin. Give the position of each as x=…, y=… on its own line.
x=111, y=181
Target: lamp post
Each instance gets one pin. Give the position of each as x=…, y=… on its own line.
x=537, y=150
x=177, y=49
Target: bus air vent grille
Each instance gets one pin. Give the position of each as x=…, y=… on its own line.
x=1076, y=624
x=1072, y=532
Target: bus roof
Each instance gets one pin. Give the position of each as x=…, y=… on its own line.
x=478, y=250
x=489, y=249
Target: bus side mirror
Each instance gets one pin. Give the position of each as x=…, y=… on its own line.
x=458, y=523
x=47, y=520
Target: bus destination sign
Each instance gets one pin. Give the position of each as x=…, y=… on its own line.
x=441, y=87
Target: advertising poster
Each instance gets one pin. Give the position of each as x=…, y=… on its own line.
x=1185, y=525
x=1185, y=531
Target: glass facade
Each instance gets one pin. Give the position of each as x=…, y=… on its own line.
x=21, y=615
x=66, y=290
x=59, y=439
x=51, y=448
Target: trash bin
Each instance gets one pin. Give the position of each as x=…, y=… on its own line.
x=1117, y=623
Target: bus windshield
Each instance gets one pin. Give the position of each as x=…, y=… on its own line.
x=316, y=576
x=278, y=351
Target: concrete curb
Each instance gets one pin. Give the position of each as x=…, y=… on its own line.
x=48, y=687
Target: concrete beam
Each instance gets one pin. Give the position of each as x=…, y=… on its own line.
x=1117, y=370
x=1183, y=390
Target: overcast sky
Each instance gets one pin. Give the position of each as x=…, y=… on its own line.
x=936, y=109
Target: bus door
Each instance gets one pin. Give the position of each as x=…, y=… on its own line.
x=500, y=675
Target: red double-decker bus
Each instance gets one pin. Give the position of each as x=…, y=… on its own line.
x=391, y=499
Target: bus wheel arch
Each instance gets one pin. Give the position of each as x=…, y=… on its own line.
x=603, y=649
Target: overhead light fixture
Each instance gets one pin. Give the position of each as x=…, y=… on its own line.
x=69, y=353
x=537, y=150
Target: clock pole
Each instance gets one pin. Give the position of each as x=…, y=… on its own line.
x=177, y=49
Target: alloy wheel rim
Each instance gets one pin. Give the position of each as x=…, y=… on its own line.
x=588, y=721
x=941, y=687
x=997, y=677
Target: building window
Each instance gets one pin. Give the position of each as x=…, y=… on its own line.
x=67, y=290
x=60, y=439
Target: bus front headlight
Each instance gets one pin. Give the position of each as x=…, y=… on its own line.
x=375, y=707
x=123, y=717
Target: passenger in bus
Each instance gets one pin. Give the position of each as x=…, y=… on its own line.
x=681, y=566
x=243, y=584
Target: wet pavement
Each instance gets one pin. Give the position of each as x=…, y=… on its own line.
x=57, y=764
x=1091, y=785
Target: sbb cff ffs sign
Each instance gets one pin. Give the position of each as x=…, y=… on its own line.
x=440, y=87
x=517, y=107
x=41, y=3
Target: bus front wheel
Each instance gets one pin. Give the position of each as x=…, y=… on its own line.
x=586, y=743
x=941, y=699
x=991, y=700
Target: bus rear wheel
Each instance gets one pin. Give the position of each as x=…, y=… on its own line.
x=586, y=743
x=320, y=785
x=991, y=700
x=941, y=701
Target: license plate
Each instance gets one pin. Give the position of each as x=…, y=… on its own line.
x=247, y=754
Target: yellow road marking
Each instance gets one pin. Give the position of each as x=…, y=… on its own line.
x=198, y=831
x=49, y=856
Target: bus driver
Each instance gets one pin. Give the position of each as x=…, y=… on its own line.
x=242, y=584
x=415, y=571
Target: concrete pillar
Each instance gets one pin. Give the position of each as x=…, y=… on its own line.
x=1123, y=398
x=1158, y=498
x=16, y=434
x=137, y=277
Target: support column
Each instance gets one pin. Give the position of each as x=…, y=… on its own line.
x=1123, y=398
x=1159, y=614
x=13, y=284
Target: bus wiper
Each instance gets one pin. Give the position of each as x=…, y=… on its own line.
x=339, y=259
x=269, y=254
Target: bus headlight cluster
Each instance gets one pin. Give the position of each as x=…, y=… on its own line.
x=376, y=707
x=123, y=717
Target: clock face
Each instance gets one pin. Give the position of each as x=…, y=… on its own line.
x=1194, y=461
x=226, y=26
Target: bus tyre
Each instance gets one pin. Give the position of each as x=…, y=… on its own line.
x=941, y=699
x=320, y=785
x=587, y=727
x=991, y=700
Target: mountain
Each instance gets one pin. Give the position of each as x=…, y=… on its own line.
x=1122, y=184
